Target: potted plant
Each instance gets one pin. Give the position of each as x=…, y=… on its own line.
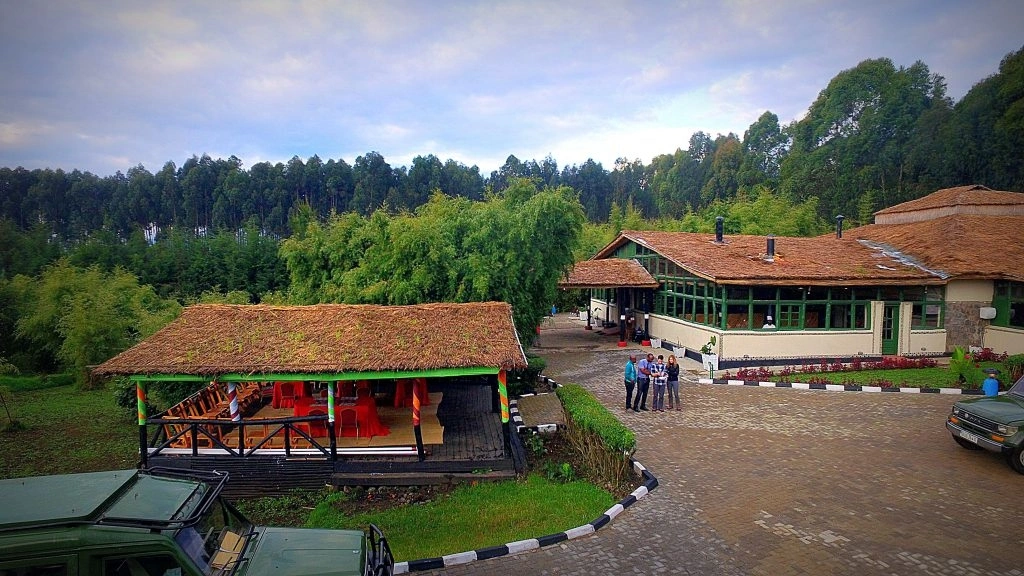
x=708, y=357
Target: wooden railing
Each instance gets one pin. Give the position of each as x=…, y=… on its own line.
x=242, y=438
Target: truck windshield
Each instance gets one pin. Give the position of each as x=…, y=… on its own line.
x=1018, y=388
x=217, y=542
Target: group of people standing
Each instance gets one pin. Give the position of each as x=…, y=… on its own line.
x=640, y=375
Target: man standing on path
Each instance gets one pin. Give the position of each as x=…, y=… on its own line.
x=644, y=378
x=630, y=377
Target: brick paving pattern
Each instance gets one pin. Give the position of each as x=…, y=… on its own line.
x=770, y=481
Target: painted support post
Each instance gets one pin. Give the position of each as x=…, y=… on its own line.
x=416, y=384
x=233, y=401
x=331, y=384
x=236, y=416
x=622, y=330
x=503, y=398
x=140, y=396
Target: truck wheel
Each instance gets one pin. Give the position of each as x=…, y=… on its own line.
x=1016, y=459
x=966, y=444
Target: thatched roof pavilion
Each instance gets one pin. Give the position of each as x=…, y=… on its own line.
x=608, y=273
x=326, y=342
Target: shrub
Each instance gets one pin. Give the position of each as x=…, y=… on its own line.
x=8, y=369
x=1014, y=367
x=965, y=368
x=604, y=442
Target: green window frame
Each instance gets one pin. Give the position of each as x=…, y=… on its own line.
x=1008, y=300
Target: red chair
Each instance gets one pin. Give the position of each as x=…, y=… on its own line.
x=287, y=393
x=346, y=418
x=318, y=428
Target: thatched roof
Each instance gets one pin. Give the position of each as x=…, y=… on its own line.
x=212, y=339
x=960, y=246
x=824, y=260
x=609, y=273
x=961, y=198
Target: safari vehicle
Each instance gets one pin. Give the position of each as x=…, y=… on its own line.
x=995, y=423
x=163, y=522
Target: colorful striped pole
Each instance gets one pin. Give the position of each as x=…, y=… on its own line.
x=140, y=396
x=233, y=401
x=416, y=402
x=503, y=396
x=330, y=402
x=330, y=419
x=417, y=385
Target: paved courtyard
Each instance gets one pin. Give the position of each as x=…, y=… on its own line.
x=779, y=481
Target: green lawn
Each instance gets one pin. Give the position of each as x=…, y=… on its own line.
x=471, y=517
x=66, y=430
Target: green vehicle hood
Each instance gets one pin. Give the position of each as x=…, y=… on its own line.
x=1005, y=408
x=305, y=552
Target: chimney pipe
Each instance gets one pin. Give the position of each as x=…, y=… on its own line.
x=770, y=257
x=719, y=229
x=839, y=226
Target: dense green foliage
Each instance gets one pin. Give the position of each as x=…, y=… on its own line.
x=72, y=318
x=512, y=247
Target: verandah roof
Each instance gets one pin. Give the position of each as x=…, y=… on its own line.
x=609, y=273
x=326, y=342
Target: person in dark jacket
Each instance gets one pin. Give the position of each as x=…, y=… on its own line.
x=673, y=383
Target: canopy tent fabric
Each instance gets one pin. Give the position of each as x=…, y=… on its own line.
x=325, y=342
x=608, y=273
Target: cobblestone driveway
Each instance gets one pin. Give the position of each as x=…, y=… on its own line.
x=778, y=481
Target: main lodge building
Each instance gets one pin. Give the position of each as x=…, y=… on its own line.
x=941, y=271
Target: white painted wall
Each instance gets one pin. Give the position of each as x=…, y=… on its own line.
x=804, y=343
x=1001, y=340
x=969, y=291
x=926, y=341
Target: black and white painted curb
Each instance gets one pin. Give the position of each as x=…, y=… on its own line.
x=838, y=387
x=648, y=486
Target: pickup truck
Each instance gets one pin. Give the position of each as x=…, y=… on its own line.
x=163, y=522
x=995, y=423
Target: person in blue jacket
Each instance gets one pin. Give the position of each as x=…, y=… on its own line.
x=630, y=379
x=990, y=386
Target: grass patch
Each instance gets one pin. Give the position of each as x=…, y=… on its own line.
x=474, y=516
x=67, y=430
x=27, y=383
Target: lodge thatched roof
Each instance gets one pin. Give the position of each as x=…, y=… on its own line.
x=959, y=246
x=609, y=273
x=212, y=339
x=741, y=259
x=973, y=199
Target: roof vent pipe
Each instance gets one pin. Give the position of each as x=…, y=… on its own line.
x=839, y=226
x=770, y=256
x=719, y=229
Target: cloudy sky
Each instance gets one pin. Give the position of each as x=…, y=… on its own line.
x=105, y=86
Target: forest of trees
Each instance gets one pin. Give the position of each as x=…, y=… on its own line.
x=877, y=135
x=98, y=262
